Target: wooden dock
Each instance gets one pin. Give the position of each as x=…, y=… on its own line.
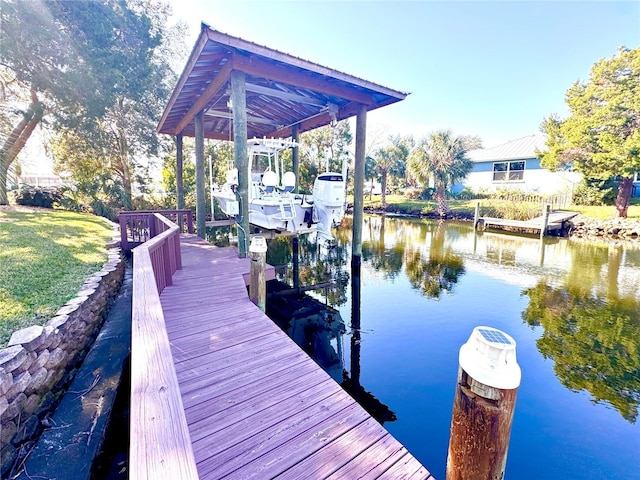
x=256, y=405
x=556, y=222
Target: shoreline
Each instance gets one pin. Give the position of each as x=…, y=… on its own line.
x=614, y=231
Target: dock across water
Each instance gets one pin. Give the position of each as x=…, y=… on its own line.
x=256, y=405
x=556, y=221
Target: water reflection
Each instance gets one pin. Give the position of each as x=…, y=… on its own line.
x=440, y=271
x=591, y=328
x=351, y=382
x=573, y=308
x=315, y=327
x=374, y=251
x=316, y=265
x=432, y=271
x=585, y=296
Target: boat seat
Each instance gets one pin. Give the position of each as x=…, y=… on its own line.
x=288, y=182
x=269, y=181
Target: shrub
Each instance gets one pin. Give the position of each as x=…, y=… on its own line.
x=75, y=201
x=37, y=196
x=514, y=210
x=427, y=193
x=595, y=192
x=467, y=194
x=412, y=193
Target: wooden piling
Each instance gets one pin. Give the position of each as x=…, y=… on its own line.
x=179, y=180
x=241, y=156
x=295, y=156
x=358, y=184
x=476, y=216
x=546, y=209
x=488, y=379
x=295, y=244
x=257, y=285
x=201, y=202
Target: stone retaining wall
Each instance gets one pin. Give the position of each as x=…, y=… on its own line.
x=617, y=229
x=40, y=361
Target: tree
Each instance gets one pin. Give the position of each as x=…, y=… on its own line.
x=95, y=68
x=370, y=171
x=321, y=148
x=124, y=136
x=601, y=136
x=45, y=54
x=441, y=158
x=391, y=159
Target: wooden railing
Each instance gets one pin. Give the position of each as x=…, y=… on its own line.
x=558, y=201
x=160, y=445
x=136, y=226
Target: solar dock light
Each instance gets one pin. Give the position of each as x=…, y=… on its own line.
x=258, y=260
x=488, y=380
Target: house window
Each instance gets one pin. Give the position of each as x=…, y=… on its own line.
x=508, y=171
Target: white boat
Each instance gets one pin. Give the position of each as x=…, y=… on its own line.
x=273, y=205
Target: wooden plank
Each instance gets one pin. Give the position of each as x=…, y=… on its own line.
x=220, y=223
x=241, y=409
x=160, y=441
x=256, y=405
x=302, y=79
x=219, y=360
x=201, y=345
x=231, y=429
x=240, y=374
x=297, y=448
x=283, y=445
x=407, y=468
x=381, y=456
x=337, y=452
x=259, y=450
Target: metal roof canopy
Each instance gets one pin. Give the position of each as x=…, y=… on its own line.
x=281, y=91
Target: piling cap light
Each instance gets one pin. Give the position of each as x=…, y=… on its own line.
x=489, y=357
x=258, y=245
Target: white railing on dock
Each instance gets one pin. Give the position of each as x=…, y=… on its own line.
x=160, y=445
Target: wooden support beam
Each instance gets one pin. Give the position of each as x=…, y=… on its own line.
x=272, y=92
x=545, y=220
x=250, y=118
x=241, y=156
x=179, y=169
x=216, y=84
x=358, y=184
x=319, y=120
x=295, y=157
x=262, y=68
x=201, y=203
x=305, y=125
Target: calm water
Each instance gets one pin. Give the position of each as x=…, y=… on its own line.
x=573, y=309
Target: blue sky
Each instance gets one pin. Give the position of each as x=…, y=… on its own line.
x=493, y=69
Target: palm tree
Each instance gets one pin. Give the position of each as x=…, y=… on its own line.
x=390, y=160
x=441, y=158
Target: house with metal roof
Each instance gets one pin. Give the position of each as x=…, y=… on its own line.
x=515, y=165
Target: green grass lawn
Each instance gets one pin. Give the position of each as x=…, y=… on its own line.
x=45, y=256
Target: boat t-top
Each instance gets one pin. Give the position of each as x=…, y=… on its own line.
x=273, y=202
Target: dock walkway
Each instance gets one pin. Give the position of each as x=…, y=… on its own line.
x=256, y=405
x=556, y=222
